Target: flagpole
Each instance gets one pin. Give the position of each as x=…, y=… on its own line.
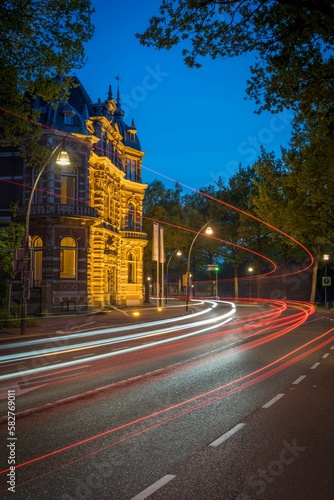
x=162, y=259
x=158, y=267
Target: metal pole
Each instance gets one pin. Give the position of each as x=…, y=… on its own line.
x=167, y=267
x=162, y=284
x=326, y=258
x=250, y=270
x=167, y=275
x=188, y=264
x=325, y=284
x=26, y=245
x=158, y=281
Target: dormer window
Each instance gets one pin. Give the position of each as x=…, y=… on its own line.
x=68, y=113
x=68, y=119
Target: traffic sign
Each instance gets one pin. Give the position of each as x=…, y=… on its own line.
x=212, y=267
x=326, y=281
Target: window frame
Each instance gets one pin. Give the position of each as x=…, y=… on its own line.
x=68, y=255
x=37, y=258
x=132, y=268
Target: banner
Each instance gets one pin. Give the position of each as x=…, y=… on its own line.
x=155, y=242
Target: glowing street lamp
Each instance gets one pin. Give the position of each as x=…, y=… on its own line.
x=250, y=270
x=62, y=159
x=208, y=231
x=326, y=259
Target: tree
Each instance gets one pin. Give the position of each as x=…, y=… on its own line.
x=240, y=230
x=292, y=197
x=10, y=240
x=164, y=205
x=40, y=40
x=292, y=43
x=200, y=210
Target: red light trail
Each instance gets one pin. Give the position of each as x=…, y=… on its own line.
x=236, y=209
x=196, y=402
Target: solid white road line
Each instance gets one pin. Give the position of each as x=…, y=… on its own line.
x=154, y=487
x=272, y=401
x=227, y=435
x=299, y=379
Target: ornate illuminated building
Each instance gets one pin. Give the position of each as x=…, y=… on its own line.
x=86, y=218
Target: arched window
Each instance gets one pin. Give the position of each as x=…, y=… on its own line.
x=68, y=194
x=68, y=258
x=131, y=217
x=37, y=245
x=132, y=268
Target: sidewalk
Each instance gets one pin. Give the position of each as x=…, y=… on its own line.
x=71, y=323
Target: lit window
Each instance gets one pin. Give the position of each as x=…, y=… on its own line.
x=37, y=258
x=68, y=258
x=68, y=186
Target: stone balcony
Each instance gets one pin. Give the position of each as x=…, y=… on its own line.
x=134, y=234
x=60, y=210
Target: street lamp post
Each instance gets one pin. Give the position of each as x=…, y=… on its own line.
x=207, y=231
x=250, y=270
x=326, y=259
x=147, y=290
x=62, y=159
x=178, y=253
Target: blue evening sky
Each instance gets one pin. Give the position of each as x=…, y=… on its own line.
x=193, y=124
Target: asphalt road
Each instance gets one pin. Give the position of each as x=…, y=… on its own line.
x=124, y=442
x=283, y=451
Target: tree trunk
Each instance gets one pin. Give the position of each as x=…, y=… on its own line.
x=236, y=282
x=314, y=278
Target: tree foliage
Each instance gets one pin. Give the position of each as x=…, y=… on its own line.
x=292, y=43
x=40, y=40
x=10, y=240
x=183, y=215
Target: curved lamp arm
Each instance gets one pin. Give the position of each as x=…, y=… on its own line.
x=188, y=262
x=26, y=237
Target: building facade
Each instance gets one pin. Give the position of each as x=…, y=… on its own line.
x=85, y=229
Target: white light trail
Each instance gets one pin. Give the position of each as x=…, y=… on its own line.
x=218, y=321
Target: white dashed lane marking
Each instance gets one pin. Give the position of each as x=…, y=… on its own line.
x=299, y=379
x=153, y=488
x=227, y=435
x=272, y=401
